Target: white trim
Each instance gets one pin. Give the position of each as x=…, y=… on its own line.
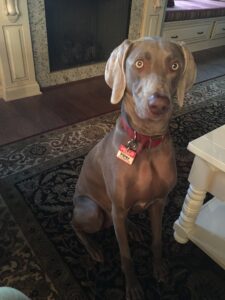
x=18, y=92
x=16, y=55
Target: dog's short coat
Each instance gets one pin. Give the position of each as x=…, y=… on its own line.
x=146, y=74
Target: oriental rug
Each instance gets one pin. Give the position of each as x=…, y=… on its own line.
x=39, y=252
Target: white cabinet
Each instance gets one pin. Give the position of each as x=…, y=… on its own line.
x=189, y=32
x=197, y=34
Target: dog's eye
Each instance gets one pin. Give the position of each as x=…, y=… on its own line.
x=139, y=64
x=175, y=66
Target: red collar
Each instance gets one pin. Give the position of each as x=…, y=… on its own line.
x=144, y=141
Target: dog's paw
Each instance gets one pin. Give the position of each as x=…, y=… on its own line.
x=134, y=292
x=160, y=271
x=95, y=252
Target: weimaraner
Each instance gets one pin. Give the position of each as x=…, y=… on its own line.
x=133, y=167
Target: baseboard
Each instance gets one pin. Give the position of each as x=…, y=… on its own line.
x=22, y=91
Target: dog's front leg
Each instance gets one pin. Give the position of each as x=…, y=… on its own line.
x=133, y=288
x=155, y=214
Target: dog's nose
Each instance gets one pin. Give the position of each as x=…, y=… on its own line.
x=158, y=104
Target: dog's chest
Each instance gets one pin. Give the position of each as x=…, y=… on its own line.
x=142, y=195
x=148, y=183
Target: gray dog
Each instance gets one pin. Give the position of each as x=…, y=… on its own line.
x=133, y=168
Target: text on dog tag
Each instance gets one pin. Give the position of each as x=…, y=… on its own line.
x=126, y=155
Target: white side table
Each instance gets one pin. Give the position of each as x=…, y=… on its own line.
x=205, y=224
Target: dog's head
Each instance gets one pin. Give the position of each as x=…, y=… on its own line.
x=152, y=71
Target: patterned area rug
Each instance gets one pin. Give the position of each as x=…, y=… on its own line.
x=40, y=254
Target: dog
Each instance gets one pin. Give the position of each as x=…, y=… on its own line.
x=133, y=167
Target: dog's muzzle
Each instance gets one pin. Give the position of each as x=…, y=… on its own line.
x=158, y=104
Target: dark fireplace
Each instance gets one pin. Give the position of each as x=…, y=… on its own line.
x=83, y=32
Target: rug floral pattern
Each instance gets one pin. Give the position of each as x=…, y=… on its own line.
x=39, y=253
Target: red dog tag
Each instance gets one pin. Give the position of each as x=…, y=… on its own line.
x=126, y=155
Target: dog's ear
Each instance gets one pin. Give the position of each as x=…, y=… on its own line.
x=188, y=77
x=115, y=73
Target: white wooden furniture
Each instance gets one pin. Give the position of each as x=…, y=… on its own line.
x=198, y=34
x=205, y=224
x=17, y=75
x=153, y=17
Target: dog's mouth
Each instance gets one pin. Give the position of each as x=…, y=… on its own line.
x=153, y=114
x=158, y=112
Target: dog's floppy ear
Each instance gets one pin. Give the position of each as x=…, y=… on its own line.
x=188, y=77
x=114, y=71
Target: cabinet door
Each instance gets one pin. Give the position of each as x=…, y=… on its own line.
x=154, y=14
x=219, y=29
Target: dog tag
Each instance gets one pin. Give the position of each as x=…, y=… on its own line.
x=125, y=154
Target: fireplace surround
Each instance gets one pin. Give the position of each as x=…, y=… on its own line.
x=84, y=32
x=24, y=56
x=44, y=76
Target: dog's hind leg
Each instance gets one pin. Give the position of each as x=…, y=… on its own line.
x=88, y=218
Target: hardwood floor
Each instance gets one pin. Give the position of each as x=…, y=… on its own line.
x=210, y=63
x=57, y=107
x=74, y=102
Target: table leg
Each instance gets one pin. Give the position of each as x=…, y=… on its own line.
x=191, y=208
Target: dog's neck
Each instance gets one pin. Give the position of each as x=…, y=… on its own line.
x=137, y=140
x=142, y=126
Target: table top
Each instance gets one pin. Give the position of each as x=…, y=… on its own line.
x=211, y=147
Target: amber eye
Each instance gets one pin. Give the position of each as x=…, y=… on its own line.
x=175, y=66
x=139, y=64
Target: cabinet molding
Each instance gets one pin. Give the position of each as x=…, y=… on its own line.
x=17, y=75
